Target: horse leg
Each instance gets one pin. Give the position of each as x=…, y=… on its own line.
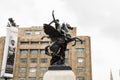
x=54, y=48
x=55, y=57
x=46, y=50
x=74, y=39
x=62, y=54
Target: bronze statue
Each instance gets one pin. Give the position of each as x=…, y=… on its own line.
x=60, y=37
x=11, y=23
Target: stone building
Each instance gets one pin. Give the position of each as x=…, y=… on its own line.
x=31, y=62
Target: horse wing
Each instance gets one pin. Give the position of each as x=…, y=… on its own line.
x=51, y=31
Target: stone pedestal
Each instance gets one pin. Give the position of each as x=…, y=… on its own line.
x=59, y=73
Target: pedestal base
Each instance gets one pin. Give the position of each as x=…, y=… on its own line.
x=54, y=73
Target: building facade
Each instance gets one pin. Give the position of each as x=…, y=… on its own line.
x=31, y=63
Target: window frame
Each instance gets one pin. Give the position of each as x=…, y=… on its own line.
x=33, y=60
x=82, y=78
x=42, y=51
x=32, y=69
x=22, y=69
x=44, y=42
x=80, y=69
x=36, y=32
x=24, y=42
x=23, y=60
x=82, y=59
x=22, y=50
x=32, y=50
x=67, y=51
x=41, y=78
x=43, y=60
x=22, y=78
x=32, y=78
x=28, y=32
x=43, y=69
x=80, y=50
x=34, y=42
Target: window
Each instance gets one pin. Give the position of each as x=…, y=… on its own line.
x=83, y=41
x=37, y=32
x=23, y=60
x=21, y=78
x=42, y=51
x=34, y=51
x=28, y=32
x=41, y=78
x=80, y=69
x=79, y=42
x=80, y=59
x=23, y=51
x=32, y=69
x=67, y=51
x=80, y=78
x=32, y=78
x=24, y=43
x=44, y=42
x=80, y=50
x=43, y=69
x=34, y=42
x=43, y=60
x=33, y=60
x=22, y=69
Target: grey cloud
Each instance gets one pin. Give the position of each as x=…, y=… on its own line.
x=94, y=12
x=112, y=31
x=101, y=14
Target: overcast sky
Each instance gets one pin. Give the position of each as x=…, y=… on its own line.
x=99, y=19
